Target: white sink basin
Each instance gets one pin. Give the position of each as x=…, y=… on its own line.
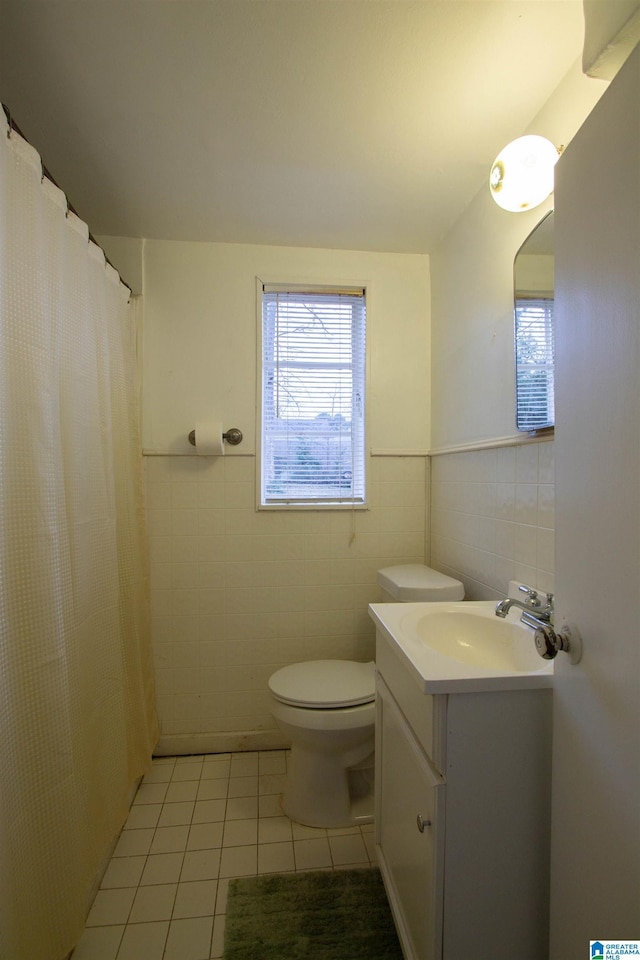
x=472, y=638
x=461, y=646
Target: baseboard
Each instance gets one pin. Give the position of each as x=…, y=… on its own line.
x=178, y=745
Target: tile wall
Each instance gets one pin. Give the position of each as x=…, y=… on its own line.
x=492, y=518
x=238, y=593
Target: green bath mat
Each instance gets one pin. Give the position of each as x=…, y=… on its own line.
x=333, y=915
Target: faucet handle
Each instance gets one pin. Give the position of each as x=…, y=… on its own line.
x=531, y=594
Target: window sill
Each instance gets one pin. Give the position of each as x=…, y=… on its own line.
x=312, y=506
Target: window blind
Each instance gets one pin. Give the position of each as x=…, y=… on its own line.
x=534, y=363
x=313, y=396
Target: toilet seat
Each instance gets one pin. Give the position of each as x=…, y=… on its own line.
x=324, y=684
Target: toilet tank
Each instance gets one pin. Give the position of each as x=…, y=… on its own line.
x=411, y=582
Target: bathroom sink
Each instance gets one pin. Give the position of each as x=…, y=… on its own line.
x=475, y=639
x=461, y=646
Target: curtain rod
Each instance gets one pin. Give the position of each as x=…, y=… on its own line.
x=45, y=173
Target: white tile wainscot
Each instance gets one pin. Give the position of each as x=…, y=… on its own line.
x=237, y=593
x=492, y=517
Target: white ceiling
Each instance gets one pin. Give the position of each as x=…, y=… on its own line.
x=357, y=124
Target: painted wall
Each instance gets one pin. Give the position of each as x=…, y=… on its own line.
x=125, y=253
x=472, y=373
x=238, y=593
x=492, y=491
x=200, y=340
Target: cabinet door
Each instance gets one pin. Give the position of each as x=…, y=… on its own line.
x=409, y=832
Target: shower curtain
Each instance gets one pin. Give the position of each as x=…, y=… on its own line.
x=77, y=722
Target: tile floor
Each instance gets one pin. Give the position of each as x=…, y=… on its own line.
x=195, y=823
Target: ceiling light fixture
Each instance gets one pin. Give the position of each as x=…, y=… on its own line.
x=521, y=176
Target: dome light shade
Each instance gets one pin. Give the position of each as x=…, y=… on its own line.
x=522, y=174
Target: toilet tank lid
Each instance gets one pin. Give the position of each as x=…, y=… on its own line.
x=324, y=683
x=410, y=582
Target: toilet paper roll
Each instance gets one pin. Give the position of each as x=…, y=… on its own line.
x=209, y=442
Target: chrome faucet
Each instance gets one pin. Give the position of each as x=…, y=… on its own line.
x=536, y=611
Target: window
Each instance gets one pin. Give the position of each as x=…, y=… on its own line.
x=313, y=383
x=534, y=362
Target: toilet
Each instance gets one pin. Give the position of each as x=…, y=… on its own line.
x=327, y=709
x=415, y=583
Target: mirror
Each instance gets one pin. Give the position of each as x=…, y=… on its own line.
x=533, y=281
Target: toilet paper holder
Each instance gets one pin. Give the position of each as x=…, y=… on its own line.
x=232, y=436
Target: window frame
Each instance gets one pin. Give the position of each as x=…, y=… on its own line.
x=311, y=503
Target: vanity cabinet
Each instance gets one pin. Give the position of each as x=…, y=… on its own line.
x=462, y=815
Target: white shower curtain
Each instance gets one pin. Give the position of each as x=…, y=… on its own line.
x=77, y=722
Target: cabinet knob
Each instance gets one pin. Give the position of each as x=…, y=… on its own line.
x=422, y=823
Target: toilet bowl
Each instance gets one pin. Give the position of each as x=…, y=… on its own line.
x=327, y=709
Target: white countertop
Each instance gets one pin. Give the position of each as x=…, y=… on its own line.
x=486, y=653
